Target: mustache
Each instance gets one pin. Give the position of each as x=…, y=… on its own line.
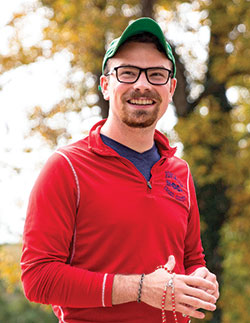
x=133, y=95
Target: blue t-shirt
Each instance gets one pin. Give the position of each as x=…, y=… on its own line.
x=142, y=161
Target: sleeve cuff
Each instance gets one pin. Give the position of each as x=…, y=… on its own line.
x=107, y=287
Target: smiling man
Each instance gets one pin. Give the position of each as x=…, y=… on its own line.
x=138, y=90
x=112, y=230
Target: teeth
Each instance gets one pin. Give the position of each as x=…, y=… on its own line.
x=141, y=101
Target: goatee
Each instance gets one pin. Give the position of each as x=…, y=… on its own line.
x=140, y=118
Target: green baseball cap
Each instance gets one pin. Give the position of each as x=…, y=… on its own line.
x=137, y=27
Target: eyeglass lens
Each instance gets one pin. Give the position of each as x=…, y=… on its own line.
x=130, y=74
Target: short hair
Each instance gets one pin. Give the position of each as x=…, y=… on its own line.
x=144, y=37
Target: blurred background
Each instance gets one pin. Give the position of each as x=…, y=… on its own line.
x=50, y=63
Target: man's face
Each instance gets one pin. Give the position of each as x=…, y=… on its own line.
x=140, y=104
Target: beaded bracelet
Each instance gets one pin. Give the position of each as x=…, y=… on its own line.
x=140, y=288
x=165, y=268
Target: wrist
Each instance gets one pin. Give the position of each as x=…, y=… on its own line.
x=153, y=288
x=125, y=289
x=140, y=288
x=148, y=289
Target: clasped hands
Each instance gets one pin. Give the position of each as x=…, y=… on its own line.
x=199, y=290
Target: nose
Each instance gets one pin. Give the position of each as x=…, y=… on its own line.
x=142, y=82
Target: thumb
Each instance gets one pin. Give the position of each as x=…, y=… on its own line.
x=171, y=263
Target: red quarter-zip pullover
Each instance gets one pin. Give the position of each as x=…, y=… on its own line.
x=92, y=214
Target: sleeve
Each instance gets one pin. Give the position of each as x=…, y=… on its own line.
x=193, y=254
x=47, y=275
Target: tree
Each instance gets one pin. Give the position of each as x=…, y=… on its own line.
x=213, y=146
x=235, y=233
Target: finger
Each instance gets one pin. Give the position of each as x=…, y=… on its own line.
x=215, y=293
x=200, y=294
x=200, y=283
x=171, y=263
x=197, y=303
x=200, y=272
x=212, y=278
x=203, y=274
x=187, y=310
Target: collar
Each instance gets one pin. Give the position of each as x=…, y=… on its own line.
x=96, y=144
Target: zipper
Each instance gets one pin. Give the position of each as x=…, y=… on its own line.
x=149, y=184
x=128, y=162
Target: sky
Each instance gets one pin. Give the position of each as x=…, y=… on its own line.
x=41, y=84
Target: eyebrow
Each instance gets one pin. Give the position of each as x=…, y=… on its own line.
x=129, y=65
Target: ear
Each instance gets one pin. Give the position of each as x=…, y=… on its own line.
x=104, y=86
x=172, y=88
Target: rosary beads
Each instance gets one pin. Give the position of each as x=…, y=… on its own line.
x=171, y=285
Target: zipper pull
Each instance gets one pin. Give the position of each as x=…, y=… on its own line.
x=149, y=184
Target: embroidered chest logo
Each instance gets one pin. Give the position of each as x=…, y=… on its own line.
x=174, y=187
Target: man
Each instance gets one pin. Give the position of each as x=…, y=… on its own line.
x=106, y=211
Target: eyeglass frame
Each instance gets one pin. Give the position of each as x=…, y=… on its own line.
x=114, y=69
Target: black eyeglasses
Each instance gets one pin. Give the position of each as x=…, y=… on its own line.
x=130, y=74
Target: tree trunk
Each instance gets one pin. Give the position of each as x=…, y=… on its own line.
x=147, y=8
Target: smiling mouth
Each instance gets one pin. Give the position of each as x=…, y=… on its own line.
x=141, y=101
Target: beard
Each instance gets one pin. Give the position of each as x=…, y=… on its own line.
x=140, y=118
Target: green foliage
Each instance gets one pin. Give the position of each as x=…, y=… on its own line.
x=235, y=235
x=235, y=298
x=14, y=307
x=216, y=144
x=229, y=46
x=76, y=26
x=217, y=148
x=205, y=138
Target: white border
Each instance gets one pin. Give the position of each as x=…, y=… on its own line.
x=103, y=289
x=75, y=175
